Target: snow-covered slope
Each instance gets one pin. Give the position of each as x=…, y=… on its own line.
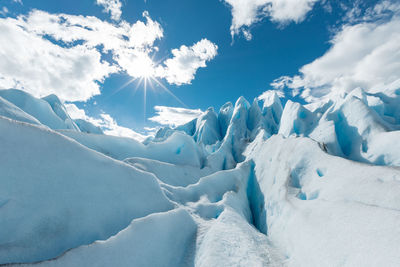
x=324, y=210
x=55, y=194
x=49, y=110
x=258, y=184
x=9, y=110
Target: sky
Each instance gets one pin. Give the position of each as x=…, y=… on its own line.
x=130, y=66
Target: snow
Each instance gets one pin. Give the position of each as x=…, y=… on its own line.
x=224, y=117
x=11, y=111
x=162, y=239
x=60, y=111
x=207, y=128
x=296, y=120
x=40, y=108
x=87, y=127
x=177, y=149
x=65, y=197
x=231, y=241
x=344, y=212
x=272, y=110
x=250, y=185
x=172, y=174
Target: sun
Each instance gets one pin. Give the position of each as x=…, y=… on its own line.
x=143, y=72
x=145, y=67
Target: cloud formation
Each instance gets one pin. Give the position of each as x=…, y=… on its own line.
x=105, y=122
x=65, y=54
x=111, y=6
x=173, y=117
x=247, y=12
x=364, y=54
x=32, y=63
x=181, y=68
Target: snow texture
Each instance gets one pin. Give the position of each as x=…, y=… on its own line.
x=258, y=184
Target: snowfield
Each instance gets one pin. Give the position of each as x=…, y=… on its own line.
x=261, y=184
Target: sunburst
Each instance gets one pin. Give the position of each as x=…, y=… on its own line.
x=146, y=78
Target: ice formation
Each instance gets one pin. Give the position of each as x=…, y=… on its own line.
x=260, y=184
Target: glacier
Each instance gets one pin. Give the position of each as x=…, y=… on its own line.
x=262, y=183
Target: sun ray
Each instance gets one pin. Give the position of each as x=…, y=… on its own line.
x=144, y=100
x=168, y=91
x=124, y=85
x=147, y=79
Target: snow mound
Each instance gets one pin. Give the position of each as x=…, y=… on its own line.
x=344, y=212
x=46, y=110
x=88, y=127
x=9, y=110
x=179, y=148
x=55, y=194
x=161, y=239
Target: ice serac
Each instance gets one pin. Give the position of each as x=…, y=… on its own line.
x=356, y=124
x=60, y=111
x=345, y=126
x=164, y=133
x=272, y=111
x=237, y=135
x=386, y=104
x=88, y=127
x=296, y=120
x=360, y=131
x=255, y=120
x=38, y=108
x=207, y=128
x=224, y=117
x=189, y=128
x=56, y=194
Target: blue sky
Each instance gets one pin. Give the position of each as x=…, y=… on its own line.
x=269, y=41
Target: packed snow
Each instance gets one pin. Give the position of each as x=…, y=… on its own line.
x=260, y=184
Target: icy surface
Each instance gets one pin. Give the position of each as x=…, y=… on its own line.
x=41, y=109
x=256, y=184
x=345, y=212
x=178, y=148
x=9, y=110
x=87, y=127
x=67, y=196
x=161, y=239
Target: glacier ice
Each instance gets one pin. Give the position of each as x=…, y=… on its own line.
x=45, y=110
x=261, y=184
x=65, y=197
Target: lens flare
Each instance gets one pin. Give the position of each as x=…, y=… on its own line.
x=145, y=78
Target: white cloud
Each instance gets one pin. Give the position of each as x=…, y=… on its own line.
x=362, y=55
x=4, y=11
x=32, y=63
x=105, y=122
x=111, y=6
x=173, y=117
x=269, y=95
x=110, y=127
x=64, y=55
x=181, y=68
x=247, y=12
